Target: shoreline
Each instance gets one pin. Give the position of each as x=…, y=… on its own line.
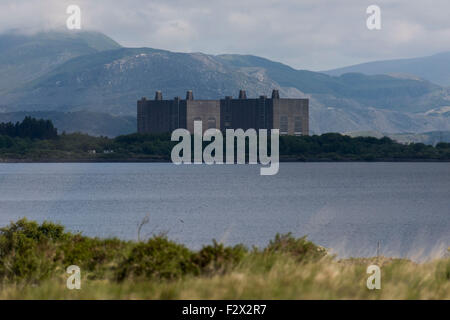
x=137, y=160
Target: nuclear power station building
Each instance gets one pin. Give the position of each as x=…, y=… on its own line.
x=290, y=116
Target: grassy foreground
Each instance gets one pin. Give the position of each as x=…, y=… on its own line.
x=34, y=258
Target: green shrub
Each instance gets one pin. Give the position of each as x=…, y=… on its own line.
x=300, y=248
x=156, y=258
x=96, y=256
x=217, y=257
x=29, y=251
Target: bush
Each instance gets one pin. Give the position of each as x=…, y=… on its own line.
x=97, y=256
x=217, y=257
x=300, y=248
x=156, y=258
x=29, y=251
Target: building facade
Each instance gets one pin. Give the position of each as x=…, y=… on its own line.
x=290, y=116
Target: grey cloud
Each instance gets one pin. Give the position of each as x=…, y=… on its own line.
x=308, y=34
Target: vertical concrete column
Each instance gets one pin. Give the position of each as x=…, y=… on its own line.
x=175, y=113
x=261, y=116
x=275, y=94
x=141, y=115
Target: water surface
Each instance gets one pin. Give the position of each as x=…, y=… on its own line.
x=348, y=207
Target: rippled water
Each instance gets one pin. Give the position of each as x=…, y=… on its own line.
x=348, y=207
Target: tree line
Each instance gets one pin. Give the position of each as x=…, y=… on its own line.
x=29, y=128
x=35, y=140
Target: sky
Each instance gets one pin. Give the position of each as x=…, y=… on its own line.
x=305, y=34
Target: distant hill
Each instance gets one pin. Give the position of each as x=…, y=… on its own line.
x=113, y=80
x=26, y=57
x=110, y=81
x=435, y=68
x=379, y=91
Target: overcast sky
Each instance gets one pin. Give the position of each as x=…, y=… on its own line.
x=306, y=34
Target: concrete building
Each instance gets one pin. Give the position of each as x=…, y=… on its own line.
x=291, y=116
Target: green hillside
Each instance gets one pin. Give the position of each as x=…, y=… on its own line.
x=111, y=81
x=379, y=91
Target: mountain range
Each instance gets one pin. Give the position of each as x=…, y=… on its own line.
x=26, y=57
x=434, y=68
x=67, y=74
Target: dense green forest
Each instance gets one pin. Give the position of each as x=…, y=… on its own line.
x=29, y=128
x=36, y=140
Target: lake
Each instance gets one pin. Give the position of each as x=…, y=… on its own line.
x=348, y=207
